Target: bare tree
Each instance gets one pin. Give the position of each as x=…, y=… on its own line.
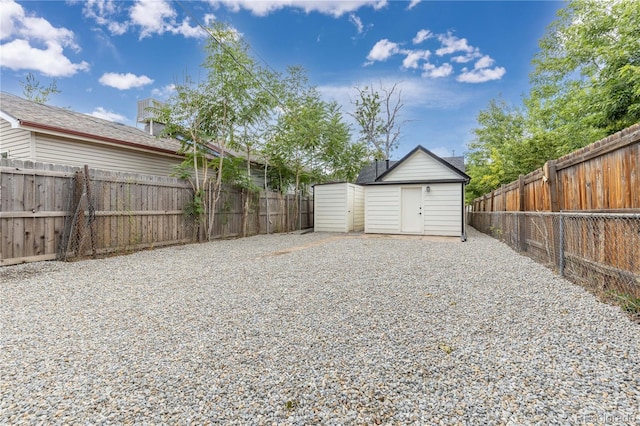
x=391, y=127
x=377, y=114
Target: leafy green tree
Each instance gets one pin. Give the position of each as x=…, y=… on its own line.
x=185, y=117
x=297, y=135
x=492, y=157
x=215, y=115
x=586, y=82
x=368, y=109
x=34, y=91
x=343, y=158
x=585, y=86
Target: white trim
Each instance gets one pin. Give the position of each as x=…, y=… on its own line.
x=15, y=123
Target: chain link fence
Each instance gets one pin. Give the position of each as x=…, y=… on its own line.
x=111, y=212
x=600, y=251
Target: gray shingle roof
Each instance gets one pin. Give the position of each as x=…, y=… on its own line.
x=368, y=173
x=51, y=118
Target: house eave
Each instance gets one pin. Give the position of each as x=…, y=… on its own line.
x=57, y=131
x=462, y=174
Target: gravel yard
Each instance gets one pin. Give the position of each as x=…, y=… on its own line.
x=315, y=328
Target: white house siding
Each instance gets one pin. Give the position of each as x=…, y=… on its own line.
x=15, y=142
x=420, y=167
x=358, y=206
x=330, y=208
x=442, y=209
x=78, y=153
x=382, y=209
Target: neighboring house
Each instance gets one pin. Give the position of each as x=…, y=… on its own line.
x=36, y=132
x=32, y=131
x=421, y=194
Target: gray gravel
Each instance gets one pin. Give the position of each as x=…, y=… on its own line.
x=335, y=331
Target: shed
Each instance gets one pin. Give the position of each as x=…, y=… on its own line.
x=338, y=207
x=421, y=194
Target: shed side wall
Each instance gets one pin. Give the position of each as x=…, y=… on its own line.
x=358, y=205
x=330, y=210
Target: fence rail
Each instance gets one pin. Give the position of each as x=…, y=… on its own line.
x=59, y=212
x=599, y=250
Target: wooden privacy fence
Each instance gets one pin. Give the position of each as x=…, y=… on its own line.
x=602, y=176
x=59, y=212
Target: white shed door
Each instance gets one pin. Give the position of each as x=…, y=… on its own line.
x=412, y=210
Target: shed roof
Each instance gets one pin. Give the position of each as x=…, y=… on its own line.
x=374, y=170
x=50, y=119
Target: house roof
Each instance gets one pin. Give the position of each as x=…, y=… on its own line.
x=43, y=118
x=370, y=173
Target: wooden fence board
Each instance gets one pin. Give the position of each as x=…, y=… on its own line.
x=131, y=212
x=602, y=176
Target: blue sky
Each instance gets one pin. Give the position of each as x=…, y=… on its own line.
x=448, y=58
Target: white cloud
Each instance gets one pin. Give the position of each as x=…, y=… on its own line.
x=432, y=71
x=209, y=18
x=12, y=14
x=481, y=75
x=416, y=93
x=18, y=55
x=353, y=18
x=421, y=36
x=15, y=23
x=414, y=57
x=102, y=11
x=34, y=44
x=484, y=62
x=452, y=44
x=449, y=44
x=413, y=4
x=187, y=31
x=333, y=8
x=102, y=113
x=149, y=16
x=383, y=50
x=165, y=91
x=124, y=81
x=463, y=59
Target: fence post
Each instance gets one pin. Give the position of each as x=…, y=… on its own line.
x=550, y=172
x=92, y=210
x=521, y=215
x=561, y=246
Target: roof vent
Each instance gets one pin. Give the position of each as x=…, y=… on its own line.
x=147, y=115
